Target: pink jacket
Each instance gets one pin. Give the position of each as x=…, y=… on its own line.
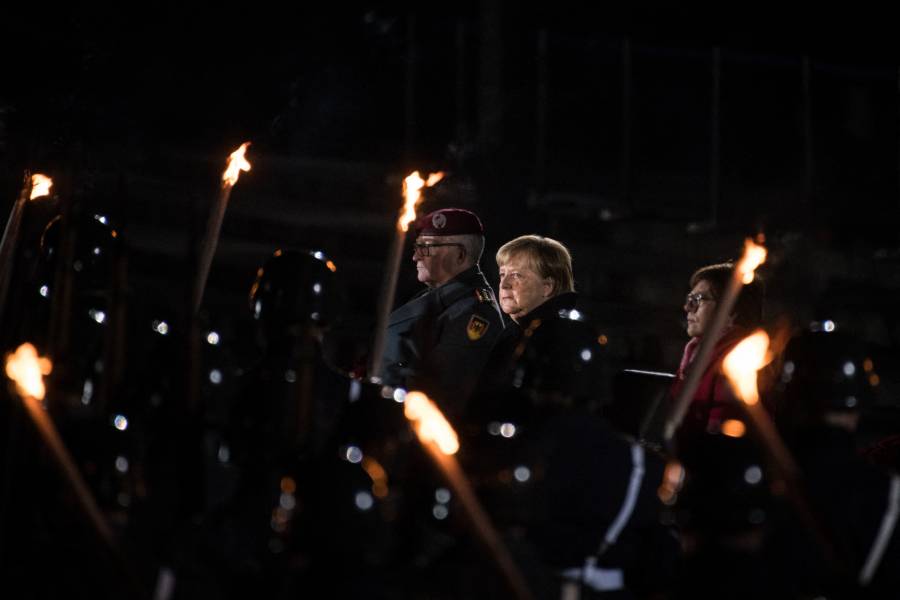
x=713, y=399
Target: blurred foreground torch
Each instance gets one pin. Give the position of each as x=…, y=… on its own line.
x=27, y=369
x=236, y=163
x=441, y=443
x=740, y=367
x=34, y=186
x=743, y=274
x=412, y=196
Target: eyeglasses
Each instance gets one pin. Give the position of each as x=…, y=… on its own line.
x=693, y=301
x=425, y=249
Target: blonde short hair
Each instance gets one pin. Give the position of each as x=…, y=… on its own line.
x=546, y=256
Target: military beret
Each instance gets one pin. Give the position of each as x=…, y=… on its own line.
x=449, y=221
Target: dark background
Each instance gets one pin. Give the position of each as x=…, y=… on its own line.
x=649, y=140
x=136, y=112
x=600, y=127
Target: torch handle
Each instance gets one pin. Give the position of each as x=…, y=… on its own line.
x=67, y=465
x=210, y=241
x=11, y=239
x=771, y=441
x=386, y=302
x=85, y=498
x=704, y=353
x=480, y=521
x=785, y=466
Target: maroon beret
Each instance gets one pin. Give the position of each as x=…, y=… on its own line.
x=449, y=221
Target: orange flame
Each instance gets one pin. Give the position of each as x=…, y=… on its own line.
x=40, y=186
x=734, y=428
x=236, y=164
x=742, y=363
x=429, y=422
x=26, y=368
x=754, y=255
x=672, y=482
x=412, y=194
x=378, y=475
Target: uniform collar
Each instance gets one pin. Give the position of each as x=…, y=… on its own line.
x=459, y=286
x=550, y=308
x=443, y=296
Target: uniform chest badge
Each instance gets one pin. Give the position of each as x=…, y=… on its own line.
x=477, y=327
x=484, y=296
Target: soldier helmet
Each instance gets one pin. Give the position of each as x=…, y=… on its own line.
x=824, y=370
x=295, y=287
x=96, y=244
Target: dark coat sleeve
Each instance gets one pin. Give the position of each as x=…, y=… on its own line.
x=456, y=350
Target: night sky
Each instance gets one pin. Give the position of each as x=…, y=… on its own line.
x=139, y=109
x=191, y=75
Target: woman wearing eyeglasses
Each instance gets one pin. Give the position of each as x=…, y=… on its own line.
x=713, y=395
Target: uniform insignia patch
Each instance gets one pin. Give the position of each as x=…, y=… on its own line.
x=484, y=296
x=439, y=221
x=477, y=327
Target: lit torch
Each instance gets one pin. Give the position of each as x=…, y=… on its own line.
x=27, y=369
x=40, y=186
x=743, y=274
x=740, y=367
x=742, y=363
x=236, y=163
x=412, y=196
x=33, y=186
x=441, y=443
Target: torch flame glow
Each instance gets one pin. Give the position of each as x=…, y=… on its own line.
x=734, y=428
x=742, y=363
x=27, y=369
x=412, y=194
x=40, y=186
x=754, y=255
x=236, y=164
x=379, y=476
x=429, y=422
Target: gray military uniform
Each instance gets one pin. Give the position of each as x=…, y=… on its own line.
x=439, y=341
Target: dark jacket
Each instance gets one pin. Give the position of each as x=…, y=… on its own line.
x=439, y=341
x=503, y=356
x=592, y=478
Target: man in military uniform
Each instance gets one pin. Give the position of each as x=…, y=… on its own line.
x=440, y=340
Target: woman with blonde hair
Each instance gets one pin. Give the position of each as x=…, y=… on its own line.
x=546, y=345
x=536, y=278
